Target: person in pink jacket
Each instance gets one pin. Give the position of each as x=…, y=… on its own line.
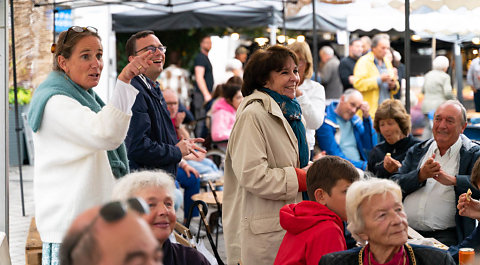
x=224, y=110
x=315, y=228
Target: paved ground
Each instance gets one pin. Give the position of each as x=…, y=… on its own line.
x=19, y=224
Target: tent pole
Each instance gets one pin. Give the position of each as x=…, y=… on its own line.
x=407, y=55
x=54, y=11
x=458, y=69
x=273, y=34
x=18, y=129
x=314, y=52
x=434, y=48
x=284, y=10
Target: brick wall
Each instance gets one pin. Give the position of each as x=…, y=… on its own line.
x=33, y=38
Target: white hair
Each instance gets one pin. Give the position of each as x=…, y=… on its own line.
x=132, y=183
x=359, y=193
x=350, y=92
x=397, y=56
x=440, y=63
x=327, y=50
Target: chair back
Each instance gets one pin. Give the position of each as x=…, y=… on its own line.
x=183, y=235
x=472, y=132
x=4, y=252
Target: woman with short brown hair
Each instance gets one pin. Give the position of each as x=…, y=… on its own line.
x=393, y=122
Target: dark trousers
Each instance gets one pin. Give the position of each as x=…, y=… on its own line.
x=191, y=184
x=476, y=99
x=447, y=236
x=198, y=111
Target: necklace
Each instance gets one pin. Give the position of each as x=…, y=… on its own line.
x=408, y=248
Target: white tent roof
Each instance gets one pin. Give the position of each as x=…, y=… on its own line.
x=424, y=20
x=437, y=4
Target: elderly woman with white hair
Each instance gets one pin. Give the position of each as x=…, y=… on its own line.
x=157, y=189
x=436, y=89
x=376, y=219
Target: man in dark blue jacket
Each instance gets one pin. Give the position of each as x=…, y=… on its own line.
x=345, y=134
x=435, y=172
x=151, y=139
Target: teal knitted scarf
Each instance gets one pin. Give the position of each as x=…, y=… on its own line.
x=58, y=83
x=293, y=113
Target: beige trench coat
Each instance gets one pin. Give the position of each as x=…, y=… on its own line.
x=260, y=178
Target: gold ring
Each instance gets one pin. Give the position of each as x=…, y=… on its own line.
x=140, y=67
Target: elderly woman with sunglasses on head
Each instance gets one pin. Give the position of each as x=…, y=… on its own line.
x=157, y=189
x=78, y=139
x=376, y=219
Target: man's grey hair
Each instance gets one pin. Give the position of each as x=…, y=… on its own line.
x=327, y=50
x=458, y=104
x=359, y=194
x=440, y=63
x=377, y=38
x=132, y=183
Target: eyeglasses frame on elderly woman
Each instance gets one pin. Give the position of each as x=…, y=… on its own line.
x=152, y=48
x=112, y=212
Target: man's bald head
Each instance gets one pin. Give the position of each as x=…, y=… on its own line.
x=93, y=240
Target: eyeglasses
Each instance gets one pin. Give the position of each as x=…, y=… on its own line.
x=110, y=212
x=153, y=49
x=79, y=30
x=172, y=103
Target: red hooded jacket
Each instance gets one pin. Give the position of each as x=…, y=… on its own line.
x=313, y=230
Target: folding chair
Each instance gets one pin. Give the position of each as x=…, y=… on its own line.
x=183, y=235
x=203, y=211
x=215, y=217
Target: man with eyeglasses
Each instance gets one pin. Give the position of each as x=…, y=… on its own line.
x=345, y=134
x=151, y=140
x=112, y=234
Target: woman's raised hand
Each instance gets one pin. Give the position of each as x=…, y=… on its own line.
x=137, y=66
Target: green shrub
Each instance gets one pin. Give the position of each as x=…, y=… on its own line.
x=24, y=95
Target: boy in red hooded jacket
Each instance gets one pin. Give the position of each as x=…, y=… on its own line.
x=315, y=228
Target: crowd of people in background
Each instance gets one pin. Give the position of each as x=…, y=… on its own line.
x=310, y=168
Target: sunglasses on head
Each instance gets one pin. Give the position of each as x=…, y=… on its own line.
x=111, y=212
x=77, y=29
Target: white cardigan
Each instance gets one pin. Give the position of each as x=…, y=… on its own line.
x=312, y=103
x=72, y=172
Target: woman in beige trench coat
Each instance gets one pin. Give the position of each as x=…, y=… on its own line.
x=266, y=151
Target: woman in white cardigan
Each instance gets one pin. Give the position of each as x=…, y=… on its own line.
x=78, y=139
x=310, y=94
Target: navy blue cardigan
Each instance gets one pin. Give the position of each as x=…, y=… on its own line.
x=151, y=137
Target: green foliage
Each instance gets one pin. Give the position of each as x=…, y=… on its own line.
x=24, y=95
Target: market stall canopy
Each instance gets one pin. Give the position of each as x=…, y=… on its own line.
x=329, y=17
x=437, y=4
x=242, y=14
x=425, y=21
